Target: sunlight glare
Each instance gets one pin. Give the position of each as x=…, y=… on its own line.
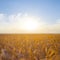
x=30, y=24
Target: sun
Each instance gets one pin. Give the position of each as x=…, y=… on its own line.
x=30, y=25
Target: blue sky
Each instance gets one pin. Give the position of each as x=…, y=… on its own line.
x=48, y=10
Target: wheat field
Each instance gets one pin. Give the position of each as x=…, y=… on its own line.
x=29, y=46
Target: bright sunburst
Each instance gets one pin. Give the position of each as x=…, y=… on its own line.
x=30, y=24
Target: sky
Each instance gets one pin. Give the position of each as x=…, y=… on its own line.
x=44, y=16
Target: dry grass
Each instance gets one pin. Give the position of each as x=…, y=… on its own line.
x=29, y=46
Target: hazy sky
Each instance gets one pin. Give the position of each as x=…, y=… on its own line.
x=13, y=14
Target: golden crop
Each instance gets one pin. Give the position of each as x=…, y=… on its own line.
x=29, y=46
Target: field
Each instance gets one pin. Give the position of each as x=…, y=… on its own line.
x=29, y=46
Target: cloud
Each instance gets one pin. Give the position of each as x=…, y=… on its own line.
x=51, y=28
x=2, y=17
x=13, y=24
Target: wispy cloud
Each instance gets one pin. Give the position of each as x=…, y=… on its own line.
x=13, y=24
